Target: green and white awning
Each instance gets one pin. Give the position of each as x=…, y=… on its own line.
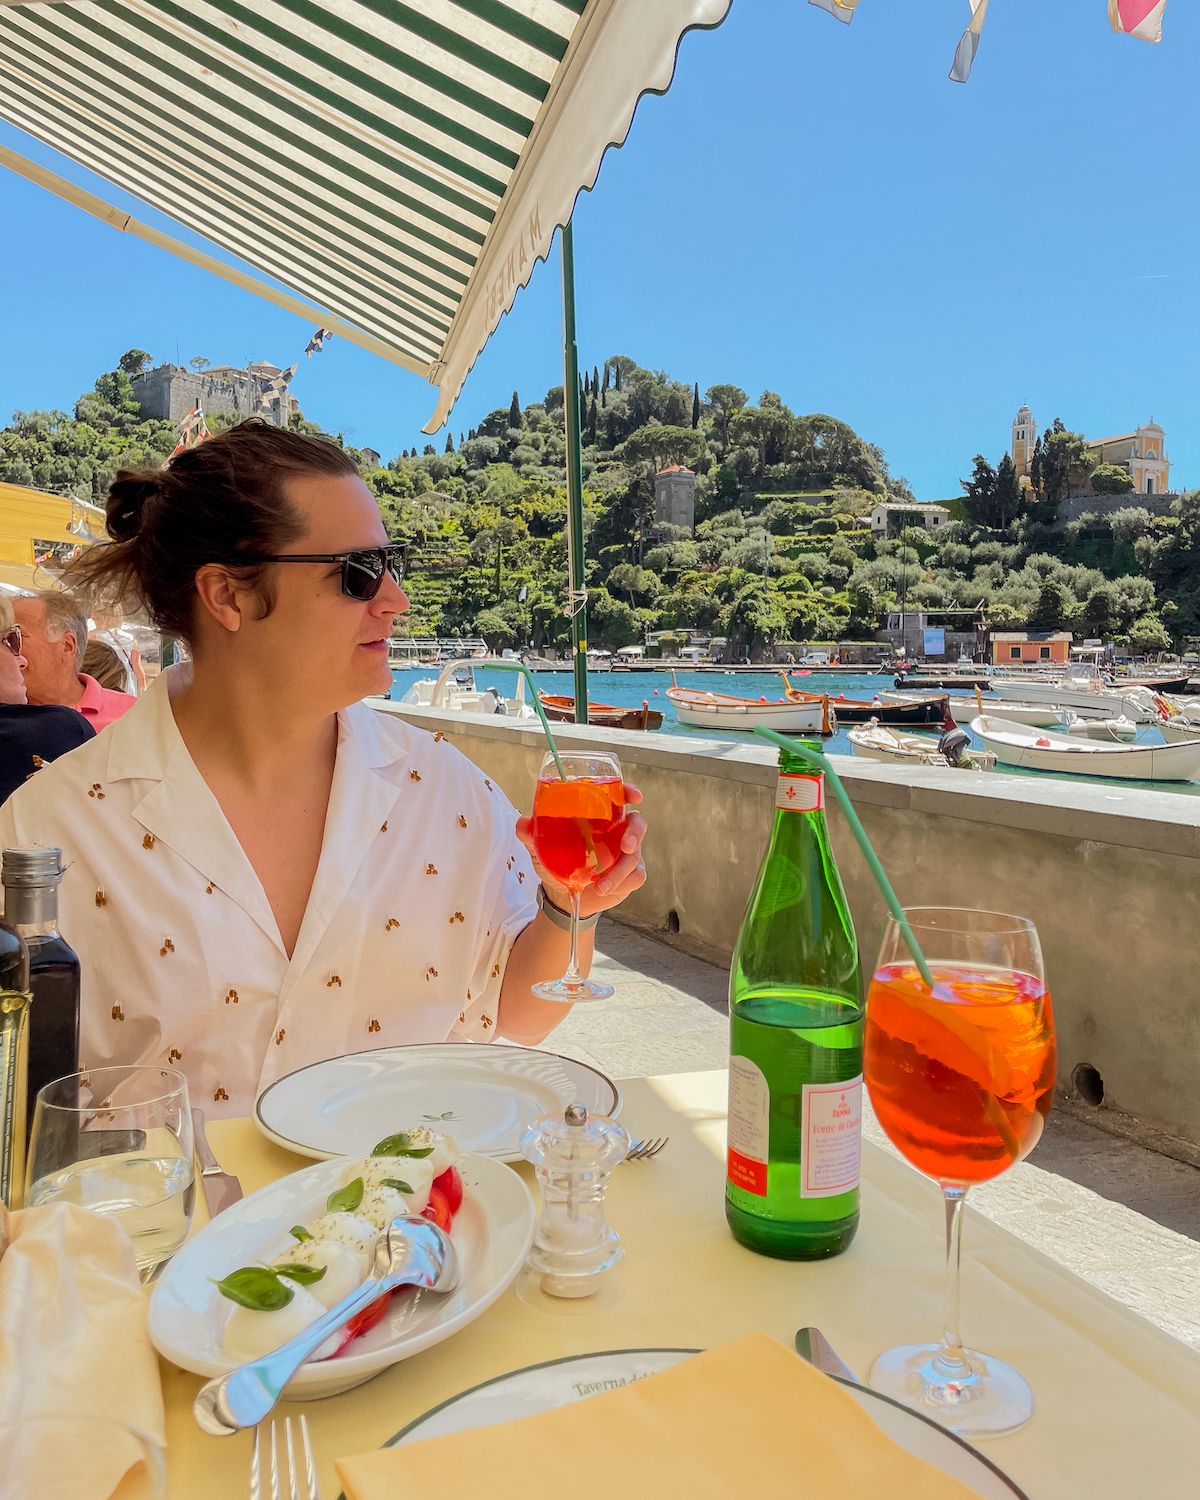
x=399, y=167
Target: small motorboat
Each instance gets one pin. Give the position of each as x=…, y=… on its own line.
x=1040, y=750
x=1154, y=684
x=1120, y=731
x=1177, y=730
x=560, y=707
x=887, y=708
x=875, y=741
x=703, y=710
x=455, y=688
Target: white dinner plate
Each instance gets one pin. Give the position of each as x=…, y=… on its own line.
x=492, y=1233
x=486, y=1097
x=540, y=1388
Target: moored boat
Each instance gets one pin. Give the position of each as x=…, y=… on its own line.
x=704, y=710
x=1039, y=750
x=889, y=708
x=1086, y=695
x=875, y=741
x=455, y=688
x=561, y=708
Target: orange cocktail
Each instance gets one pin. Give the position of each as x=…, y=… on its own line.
x=578, y=826
x=960, y=1079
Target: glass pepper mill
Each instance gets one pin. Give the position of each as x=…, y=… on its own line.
x=574, y=1155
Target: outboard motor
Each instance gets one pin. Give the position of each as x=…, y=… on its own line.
x=954, y=745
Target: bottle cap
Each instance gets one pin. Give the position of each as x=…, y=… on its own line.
x=31, y=867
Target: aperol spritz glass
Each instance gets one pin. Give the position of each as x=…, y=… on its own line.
x=961, y=1078
x=578, y=825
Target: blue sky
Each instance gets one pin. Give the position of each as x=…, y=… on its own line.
x=812, y=209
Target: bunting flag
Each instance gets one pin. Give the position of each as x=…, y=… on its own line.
x=1140, y=18
x=192, y=430
x=841, y=10
x=271, y=389
x=969, y=43
x=318, y=341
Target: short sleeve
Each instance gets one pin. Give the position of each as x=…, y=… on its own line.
x=511, y=886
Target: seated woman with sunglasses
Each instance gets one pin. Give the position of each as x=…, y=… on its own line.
x=31, y=734
x=261, y=870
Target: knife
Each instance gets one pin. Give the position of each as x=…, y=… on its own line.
x=221, y=1188
x=813, y=1346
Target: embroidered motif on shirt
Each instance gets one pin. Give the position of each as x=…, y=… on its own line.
x=438, y=736
x=374, y=1025
x=520, y=877
x=208, y=889
x=468, y=997
x=431, y=972
x=457, y=917
x=495, y=971
x=462, y=1017
x=462, y=822
x=334, y=979
x=38, y=762
x=390, y=924
x=384, y=828
x=167, y=947
x=431, y=869
x=117, y=1013
x=101, y=897
x=149, y=841
x=231, y=996
x=485, y=1022
x=219, y=1094
x=512, y=859
x=95, y=790
x=279, y=1036
x=415, y=775
x=487, y=784
x=174, y=1055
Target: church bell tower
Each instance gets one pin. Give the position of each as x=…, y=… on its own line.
x=1024, y=437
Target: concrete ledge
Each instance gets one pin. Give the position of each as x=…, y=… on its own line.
x=1112, y=876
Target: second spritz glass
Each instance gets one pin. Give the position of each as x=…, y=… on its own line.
x=578, y=825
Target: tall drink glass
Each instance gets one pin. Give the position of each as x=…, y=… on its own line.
x=578, y=825
x=961, y=1079
x=118, y=1141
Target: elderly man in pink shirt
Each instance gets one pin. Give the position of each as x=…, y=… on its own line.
x=54, y=632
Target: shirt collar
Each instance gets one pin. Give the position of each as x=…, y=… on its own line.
x=92, y=701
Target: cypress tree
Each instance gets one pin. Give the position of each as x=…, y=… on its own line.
x=617, y=374
x=595, y=381
x=696, y=405
x=514, y=412
x=449, y=442
x=604, y=387
x=591, y=423
x=1035, y=468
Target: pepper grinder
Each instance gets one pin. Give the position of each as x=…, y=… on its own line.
x=574, y=1155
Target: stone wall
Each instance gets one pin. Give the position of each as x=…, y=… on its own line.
x=1075, y=506
x=169, y=392
x=1111, y=875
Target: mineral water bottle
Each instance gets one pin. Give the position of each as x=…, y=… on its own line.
x=796, y=1023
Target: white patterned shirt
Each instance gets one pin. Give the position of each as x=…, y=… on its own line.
x=421, y=888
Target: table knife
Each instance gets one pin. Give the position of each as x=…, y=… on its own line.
x=221, y=1188
x=813, y=1346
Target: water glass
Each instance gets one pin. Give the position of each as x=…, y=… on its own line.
x=118, y=1141
x=84, y=1457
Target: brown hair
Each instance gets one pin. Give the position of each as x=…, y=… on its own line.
x=209, y=504
x=102, y=662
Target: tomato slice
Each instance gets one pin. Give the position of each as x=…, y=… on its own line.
x=369, y=1316
x=450, y=1182
x=438, y=1209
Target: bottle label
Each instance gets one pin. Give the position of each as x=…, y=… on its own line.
x=749, y=1126
x=799, y=792
x=830, y=1137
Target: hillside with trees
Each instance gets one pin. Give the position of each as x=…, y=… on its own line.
x=781, y=550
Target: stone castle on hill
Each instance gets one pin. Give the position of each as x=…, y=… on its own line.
x=1142, y=453
x=169, y=392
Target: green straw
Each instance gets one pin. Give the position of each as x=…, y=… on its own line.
x=519, y=666
x=814, y=757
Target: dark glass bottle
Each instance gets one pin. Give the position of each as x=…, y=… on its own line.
x=30, y=878
x=14, y=1062
x=796, y=1023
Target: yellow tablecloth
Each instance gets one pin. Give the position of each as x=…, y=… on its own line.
x=1118, y=1400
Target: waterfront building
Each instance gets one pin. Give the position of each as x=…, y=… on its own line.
x=1030, y=647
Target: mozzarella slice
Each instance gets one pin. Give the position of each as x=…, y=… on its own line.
x=250, y=1334
x=352, y=1230
x=444, y=1147
x=345, y=1268
x=383, y=1204
x=417, y=1171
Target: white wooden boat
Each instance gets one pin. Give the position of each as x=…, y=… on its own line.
x=704, y=710
x=1087, y=696
x=455, y=688
x=875, y=741
x=1120, y=731
x=1179, y=730
x=1041, y=750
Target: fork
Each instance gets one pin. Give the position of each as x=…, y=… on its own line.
x=299, y=1474
x=644, y=1150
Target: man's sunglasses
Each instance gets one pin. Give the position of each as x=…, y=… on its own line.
x=362, y=570
x=12, y=639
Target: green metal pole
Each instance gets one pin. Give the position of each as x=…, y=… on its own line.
x=574, y=444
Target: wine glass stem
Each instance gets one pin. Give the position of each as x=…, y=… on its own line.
x=573, y=977
x=949, y=1360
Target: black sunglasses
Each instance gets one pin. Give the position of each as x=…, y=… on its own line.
x=362, y=570
x=12, y=639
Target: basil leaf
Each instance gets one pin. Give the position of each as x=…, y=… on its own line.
x=346, y=1199
x=298, y=1232
x=304, y=1275
x=255, y=1287
x=394, y=1182
x=400, y=1145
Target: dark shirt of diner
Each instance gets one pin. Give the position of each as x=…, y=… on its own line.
x=33, y=733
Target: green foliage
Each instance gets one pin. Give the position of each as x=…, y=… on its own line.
x=1111, y=479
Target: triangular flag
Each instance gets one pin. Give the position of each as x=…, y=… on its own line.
x=1140, y=18
x=969, y=43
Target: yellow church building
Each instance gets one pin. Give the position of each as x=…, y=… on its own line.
x=1142, y=452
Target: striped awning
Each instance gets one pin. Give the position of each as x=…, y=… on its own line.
x=399, y=167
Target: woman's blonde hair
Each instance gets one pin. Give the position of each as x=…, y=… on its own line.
x=6, y=613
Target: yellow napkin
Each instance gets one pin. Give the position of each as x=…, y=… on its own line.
x=734, y=1420
x=73, y=1342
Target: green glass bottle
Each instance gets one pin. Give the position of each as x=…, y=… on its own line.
x=796, y=1023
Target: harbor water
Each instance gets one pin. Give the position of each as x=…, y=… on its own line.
x=628, y=689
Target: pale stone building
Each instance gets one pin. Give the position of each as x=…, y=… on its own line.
x=675, y=496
